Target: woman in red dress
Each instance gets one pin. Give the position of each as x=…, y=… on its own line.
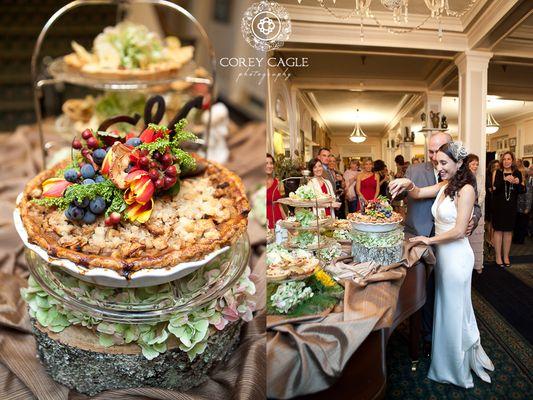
x=319, y=183
x=274, y=210
x=367, y=184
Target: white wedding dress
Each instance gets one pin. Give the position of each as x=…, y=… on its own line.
x=456, y=347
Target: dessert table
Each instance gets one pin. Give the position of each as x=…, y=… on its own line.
x=343, y=354
x=21, y=374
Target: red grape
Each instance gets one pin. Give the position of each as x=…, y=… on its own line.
x=92, y=142
x=159, y=183
x=86, y=134
x=144, y=161
x=115, y=217
x=76, y=144
x=153, y=174
x=169, y=181
x=171, y=171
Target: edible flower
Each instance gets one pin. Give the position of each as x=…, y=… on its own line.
x=139, y=212
x=138, y=196
x=152, y=133
x=141, y=188
x=324, y=278
x=55, y=187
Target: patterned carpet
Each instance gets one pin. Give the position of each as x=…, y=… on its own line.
x=510, y=353
x=498, y=305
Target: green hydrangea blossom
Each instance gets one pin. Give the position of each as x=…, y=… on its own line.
x=191, y=330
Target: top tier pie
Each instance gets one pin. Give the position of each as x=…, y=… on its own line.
x=134, y=202
x=130, y=51
x=376, y=211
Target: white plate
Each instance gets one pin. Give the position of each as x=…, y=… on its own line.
x=109, y=277
x=376, y=227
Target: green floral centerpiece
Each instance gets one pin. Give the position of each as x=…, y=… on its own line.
x=311, y=296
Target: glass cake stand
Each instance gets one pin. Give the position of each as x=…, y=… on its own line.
x=194, y=291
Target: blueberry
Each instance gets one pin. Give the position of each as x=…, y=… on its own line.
x=133, y=142
x=71, y=175
x=87, y=171
x=99, y=179
x=88, y=182
x=74, y=213
x=98, y=156
x=89, y=217
x=97, y=206
x=81, y=204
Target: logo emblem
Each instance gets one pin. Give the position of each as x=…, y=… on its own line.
x=266, y=25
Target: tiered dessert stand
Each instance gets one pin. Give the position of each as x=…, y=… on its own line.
x=321, y=222
x=73, y=356
x=61, y=74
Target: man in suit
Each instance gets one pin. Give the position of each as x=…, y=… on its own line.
x=323, y=156
x=419, y=220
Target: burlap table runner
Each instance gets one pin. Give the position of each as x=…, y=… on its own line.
x=21, y=374
x=309, y=357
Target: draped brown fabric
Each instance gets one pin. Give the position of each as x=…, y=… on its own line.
x=308, y=357
x=21, y=374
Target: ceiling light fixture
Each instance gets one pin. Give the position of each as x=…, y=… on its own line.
x=399, y=9
x=492, y=125
x=357, y=135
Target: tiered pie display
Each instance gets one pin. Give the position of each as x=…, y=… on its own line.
x=377, y=235
x=306, y=226
x=138, y=257
x=297, y=284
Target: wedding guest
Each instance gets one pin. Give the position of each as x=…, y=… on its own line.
x=318, y=181
x=323, y=156
x=473, y=163
x=274, y=210
x=339, y=186
x=400, y=171
x=507, y=184
x=350, y=177
x=521, y=167
x=493, y=166
x=381, y=169
x=367, y=183
x=524, y=207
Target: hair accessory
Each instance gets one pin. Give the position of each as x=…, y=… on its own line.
x=458, y=150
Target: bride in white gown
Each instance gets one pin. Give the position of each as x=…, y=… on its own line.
x=456, y=346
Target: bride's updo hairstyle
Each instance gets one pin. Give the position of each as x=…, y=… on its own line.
x=463, y=176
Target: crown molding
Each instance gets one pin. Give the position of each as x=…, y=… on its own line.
x=468, y=18
x=511, y=47
x=318, y=14
x=304, y=98
x=314, y=32
x=359, y=85
x=517, y=118
x=404, y=109
x=487, y=20
x=314, y=102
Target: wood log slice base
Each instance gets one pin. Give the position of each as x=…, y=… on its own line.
x=380, y=255
x=93, y=371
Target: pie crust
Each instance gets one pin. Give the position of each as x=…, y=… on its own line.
x=209, y=212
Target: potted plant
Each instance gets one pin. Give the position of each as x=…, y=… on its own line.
x=288, y=170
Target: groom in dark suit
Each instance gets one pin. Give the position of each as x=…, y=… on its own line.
x=419, y=220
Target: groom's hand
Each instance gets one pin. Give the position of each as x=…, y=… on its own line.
x=420, y=239
x=471, y=226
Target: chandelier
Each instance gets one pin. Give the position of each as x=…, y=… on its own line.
x=400, y=13
x=357, y=135
x=492, y=125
